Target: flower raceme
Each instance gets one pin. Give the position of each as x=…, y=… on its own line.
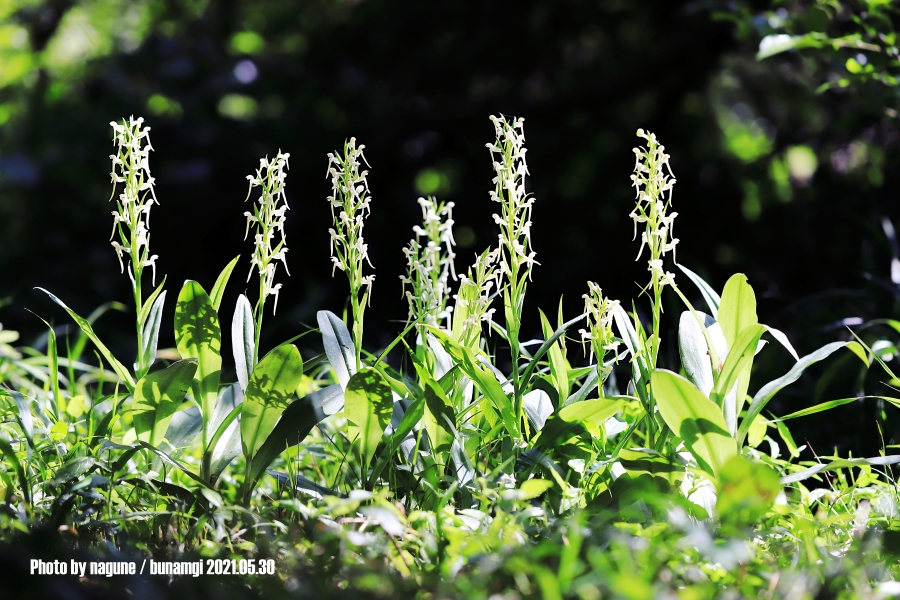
x=131, y=167
x=599, y=310
x=268, y=217
x=653, y=187
x=430, y=263
x=350, y=204
x=514, y=219
x=474, y=298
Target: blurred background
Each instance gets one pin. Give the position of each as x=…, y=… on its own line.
x=780, y=117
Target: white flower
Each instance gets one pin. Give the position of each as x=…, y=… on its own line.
x=268, y=216
x=131, y=167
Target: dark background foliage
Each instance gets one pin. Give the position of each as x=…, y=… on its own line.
x=774, y=179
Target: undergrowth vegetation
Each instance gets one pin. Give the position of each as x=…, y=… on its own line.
x=460, y=460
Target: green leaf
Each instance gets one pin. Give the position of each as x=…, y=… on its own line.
x=769, y=390
x=439, y=418
x=588, y=415
x=24, y=417
x=225, y=446
x=816, y=409
x=558, y=368
x=148, y=304
x=546, y=346
x=483, y=378
x=740, y=354
x=269, y=391
x=53, y=365
x=532, y=488
x=746, y=491
x=708, y=293
x=788, y=439
x=859, y=351
x=538, y=407
x=184, y=428
x=590, y=383
x=156, y=398
x=7, y=450
x=150, y=337
x=218, y=289
x=411, y=417
x=632, y=341
x=172, y=461
x=85, y=326
x=198, y=335
x=368, y=404
x=737, y=310
x=840, y=463
x=243, y=340
x=652, y=470
x=338, y=346
x=757, y=431
x=695, y=419
x=295, y=424
x=693, y=348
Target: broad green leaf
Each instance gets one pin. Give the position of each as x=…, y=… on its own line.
x=85, y=326
x=269, y=391
x=740, y=355
x=227, y=446
x=694, y=350
x=708, y=293
x=184, y=428
x=150, y=334
x=218, y=289
x=439, y=420
x=483, y=378
x=537, y=407
x=757, y=432
x=737, y=313
x=338, y=346
x=660, y=471
x=695, y=419
x=148, y=304
x=762, y=397
x=737, y=310
x=368, y=404
x=558, y=368
x=243, y=340
x=156, y=398
x=438, y=417
x=532, y=488
x=295, y=424
x=198, y=335
x=746, y=490
x=589, y=415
